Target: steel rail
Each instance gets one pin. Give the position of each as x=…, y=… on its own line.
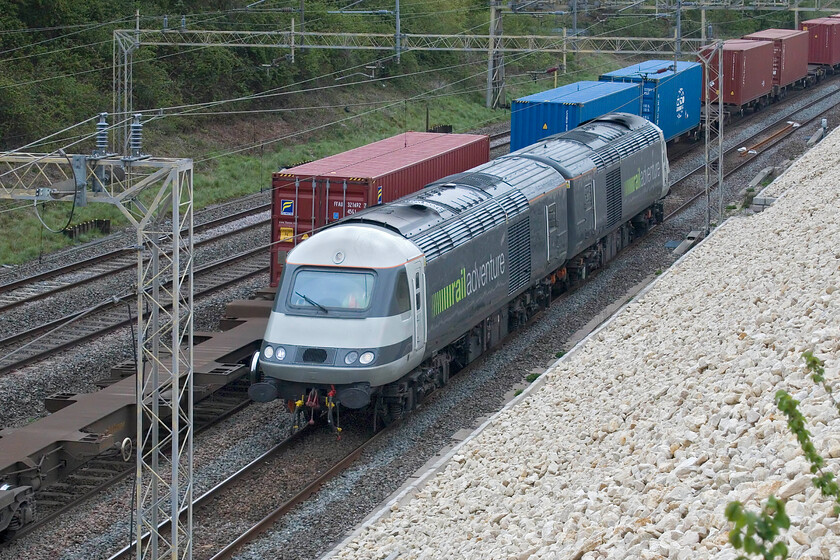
x=122, y=268
x=123, y=474
x=216, y=490
x=103, y=325
x=266, y=522
x=87, y=263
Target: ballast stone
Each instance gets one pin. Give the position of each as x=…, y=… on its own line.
x=701, y=353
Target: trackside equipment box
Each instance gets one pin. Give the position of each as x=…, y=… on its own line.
x=309, y=196
x=537, y=116
x=670, y=100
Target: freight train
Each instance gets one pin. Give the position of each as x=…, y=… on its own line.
x=379, y=308
x=759, y=69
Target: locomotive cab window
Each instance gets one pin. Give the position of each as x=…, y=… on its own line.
x=403, y=293
x=322, y=290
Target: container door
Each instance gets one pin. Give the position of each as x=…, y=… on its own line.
x=417, y=281
x=300, y=206
x=345, y=198
x=649, y=101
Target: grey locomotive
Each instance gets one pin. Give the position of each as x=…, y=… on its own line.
x=378, y=309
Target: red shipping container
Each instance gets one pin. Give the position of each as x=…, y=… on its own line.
x=309, y=196
x=747, y=71
x=823, y=40
x=790, y=54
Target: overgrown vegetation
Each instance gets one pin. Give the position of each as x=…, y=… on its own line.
x=756, y=533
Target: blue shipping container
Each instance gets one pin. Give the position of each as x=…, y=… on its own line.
x=669, y=100
x=537, y=116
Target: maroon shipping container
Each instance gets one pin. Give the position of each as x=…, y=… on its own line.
x=309, y=196
x=790, y=54
x=823, y=40
x=747, y=71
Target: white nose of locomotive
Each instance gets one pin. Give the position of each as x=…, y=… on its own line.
x=342, y=316
x=354, y=246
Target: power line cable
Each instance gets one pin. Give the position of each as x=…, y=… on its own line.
x=54, y=51
x=88, y=28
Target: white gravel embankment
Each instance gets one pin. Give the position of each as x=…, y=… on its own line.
x=637, y=439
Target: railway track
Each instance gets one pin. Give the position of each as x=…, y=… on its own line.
x=212, y=509
x=243, y=481
x=106, y=470
x=244, y=539
x=499, y=140
x=45, y=340
x=80, y=273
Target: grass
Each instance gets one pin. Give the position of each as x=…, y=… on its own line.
x=531, y=377
x=219, y=177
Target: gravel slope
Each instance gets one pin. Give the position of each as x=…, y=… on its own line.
x=638, y=439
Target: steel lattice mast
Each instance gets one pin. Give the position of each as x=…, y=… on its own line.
x=156, y=196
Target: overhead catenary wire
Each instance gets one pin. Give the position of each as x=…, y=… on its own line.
x=120, y=123
x=55, y=51
x=42, y=157
x=87, y=28
x=291, y=135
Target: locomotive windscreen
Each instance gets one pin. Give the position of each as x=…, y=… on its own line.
x=332, y=289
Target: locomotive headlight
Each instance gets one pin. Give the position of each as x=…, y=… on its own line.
x=280, y=353
x=351, y=357
x=268, y=352
x=366, y=358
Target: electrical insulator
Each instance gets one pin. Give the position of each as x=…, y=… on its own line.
x=102, y=135
x=135, y=141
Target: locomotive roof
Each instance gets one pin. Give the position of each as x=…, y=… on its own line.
x=503, y=186
x=357, y=245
